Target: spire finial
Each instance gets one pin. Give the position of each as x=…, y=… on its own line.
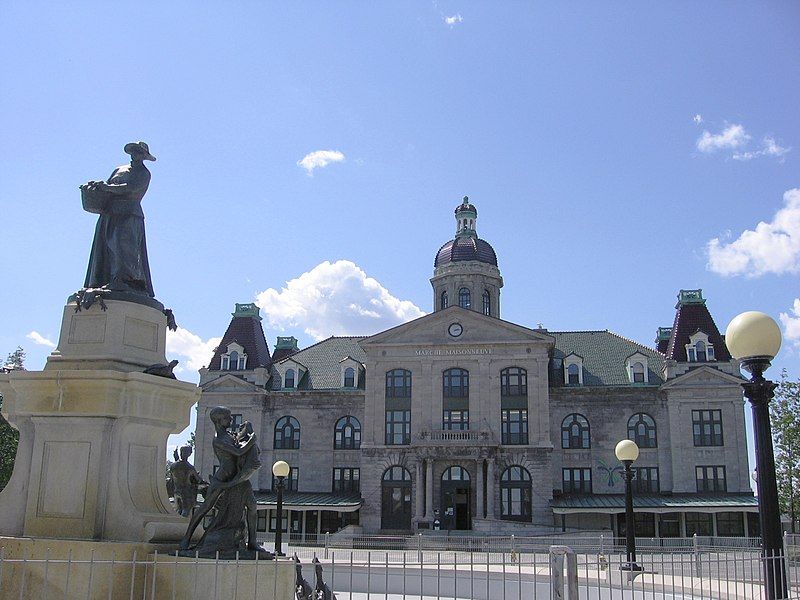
x=466, y=200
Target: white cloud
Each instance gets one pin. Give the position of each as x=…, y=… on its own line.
x=453, y=19
x=697, y=119
x=39, y=339
x=791, y=323
x=772, y=247
x=194, y=353
x=733, y=136
x=319, y=159
x=335, y=299
x=769, y=147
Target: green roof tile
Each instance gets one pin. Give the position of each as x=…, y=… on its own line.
x=644, y=501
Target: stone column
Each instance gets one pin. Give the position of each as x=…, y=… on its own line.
x=429, y=488
x=479, y=484
x=420, y=495
x=490, y=488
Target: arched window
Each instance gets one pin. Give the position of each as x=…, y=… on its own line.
x=637, y=372
x=455, y=383
x=233, y=360
x=443, y=301
x=287, y=433
x=573, y=374
x=349, y=377
x=398, y=383
x=396, y=498
x=514, y=382
x=575, y=432
x=515, y=494
x=464, y=298
x=487, y=303
x=288, y=379
x=347, y=434
x=700, y=351
x=642, y=430
x=455, y=473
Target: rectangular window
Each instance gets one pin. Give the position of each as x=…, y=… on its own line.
x=645, y=480
x=455, y=420
x=576, y=481
x=711, y=479
x=290, y=482
x=236, y=421
x=346, y=480
x=730, y=524
x=699, y=523
x=669, y=525
x=261, y=523
x=398, y=427
x=291, y=521
x=515, y=426
x=707, y=427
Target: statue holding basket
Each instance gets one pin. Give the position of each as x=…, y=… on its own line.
x=118, y=261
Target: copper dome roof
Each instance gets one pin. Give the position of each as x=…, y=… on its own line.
x=465, y=248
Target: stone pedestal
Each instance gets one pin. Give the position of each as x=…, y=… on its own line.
x=93, y=431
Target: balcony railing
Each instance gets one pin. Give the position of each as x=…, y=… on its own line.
x=467, y=437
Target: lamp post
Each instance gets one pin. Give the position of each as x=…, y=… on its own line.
x=627, y=451
x=755, y=338
x=281, y=470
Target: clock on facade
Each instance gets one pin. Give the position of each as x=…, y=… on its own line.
x=455, y=329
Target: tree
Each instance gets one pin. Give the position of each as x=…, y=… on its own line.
x=9, y=437
x=785, y=410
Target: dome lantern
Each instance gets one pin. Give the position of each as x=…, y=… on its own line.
x=466, y=219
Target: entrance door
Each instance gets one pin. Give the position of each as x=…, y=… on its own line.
x=456, y=499
x=396, y=498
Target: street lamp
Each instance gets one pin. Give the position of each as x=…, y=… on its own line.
x=627, y=451
x=281, y=470
x=755, y=338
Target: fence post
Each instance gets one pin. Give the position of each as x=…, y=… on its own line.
x=557, y=580
x=786, y=547
x=602, y=544
x=327, y=540
x=419, y=550
x=696, y=551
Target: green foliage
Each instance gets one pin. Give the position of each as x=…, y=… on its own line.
x=785, y=413
x=9, y=437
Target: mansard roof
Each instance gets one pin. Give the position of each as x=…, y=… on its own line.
x=692, y=315
x=245, y=330
x=323, y=362
x=604, y=354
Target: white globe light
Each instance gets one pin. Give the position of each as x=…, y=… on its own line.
x=627, y=450
x=280, y=469
x=752, y=334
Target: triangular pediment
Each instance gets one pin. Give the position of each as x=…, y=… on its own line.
x=230, y=382
x=435, y=328
x=704, y=376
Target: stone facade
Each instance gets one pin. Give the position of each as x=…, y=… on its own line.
x=528, y=448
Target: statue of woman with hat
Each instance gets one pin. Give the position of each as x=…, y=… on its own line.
x=118, y=261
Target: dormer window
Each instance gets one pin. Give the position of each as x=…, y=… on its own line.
x=288, y=379
x=698, y=349
x=234, y=359
x=349, y=377
x=573, y=370
x=636, y=366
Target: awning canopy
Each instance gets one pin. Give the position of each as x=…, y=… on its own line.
x=310, y=501
x=615, y=503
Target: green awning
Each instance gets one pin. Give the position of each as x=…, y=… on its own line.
x=615, y=503
x=310, y=501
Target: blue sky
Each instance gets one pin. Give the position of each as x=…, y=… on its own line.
x=605, y=147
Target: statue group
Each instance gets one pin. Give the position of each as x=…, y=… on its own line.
x=229, y=497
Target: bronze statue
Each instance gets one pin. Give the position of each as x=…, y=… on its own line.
x=118, y=261
x=230, y=493
x=185, y=481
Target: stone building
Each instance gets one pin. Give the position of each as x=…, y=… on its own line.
x=460, y=420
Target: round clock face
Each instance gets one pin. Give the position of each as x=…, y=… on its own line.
x=455, y=329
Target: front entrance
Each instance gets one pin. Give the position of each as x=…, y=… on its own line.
x=456, y=499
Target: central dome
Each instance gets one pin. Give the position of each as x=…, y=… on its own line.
x=465, y=248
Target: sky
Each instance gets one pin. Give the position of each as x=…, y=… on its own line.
x=310, y=156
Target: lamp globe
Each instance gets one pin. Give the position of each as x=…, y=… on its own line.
x=280, y=469
x=627, y=450
x=753, y=334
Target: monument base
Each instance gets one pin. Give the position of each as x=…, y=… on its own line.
x=70, y=569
